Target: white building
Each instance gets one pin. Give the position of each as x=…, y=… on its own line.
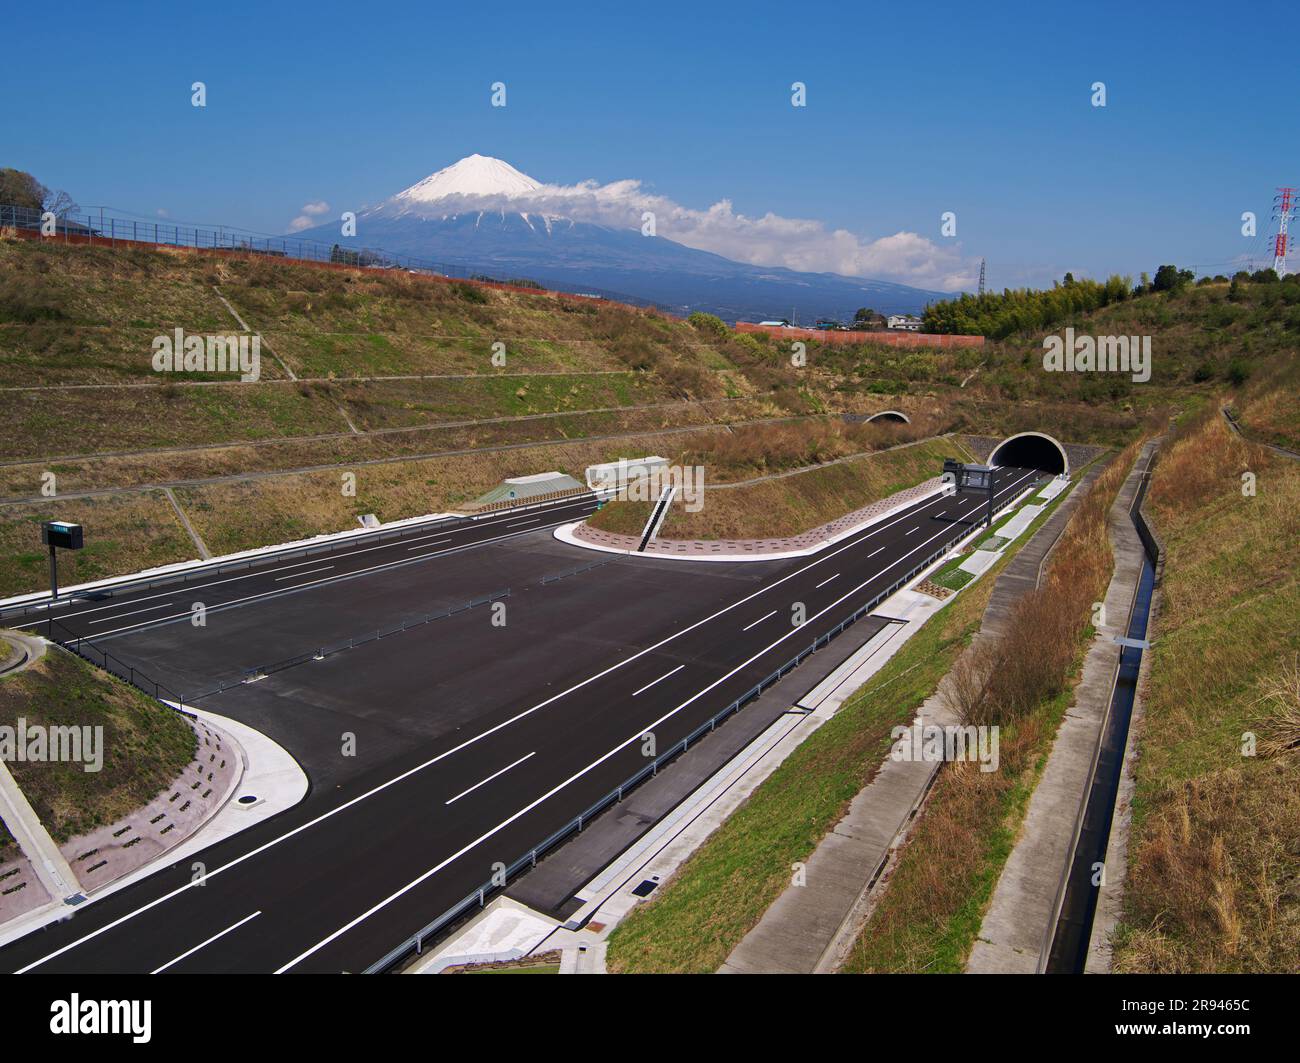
x=906, y=322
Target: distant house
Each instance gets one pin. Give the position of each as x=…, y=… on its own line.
x=783, y=323
x=904, y=322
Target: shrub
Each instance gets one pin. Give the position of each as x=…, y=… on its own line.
x=708, y=323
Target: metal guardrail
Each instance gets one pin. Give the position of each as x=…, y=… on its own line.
x=115, y=666
x=557, y=576
x=478, y=896
x=129, y=585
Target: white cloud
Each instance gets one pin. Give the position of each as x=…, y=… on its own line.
x=310, y=213
x=770, y=240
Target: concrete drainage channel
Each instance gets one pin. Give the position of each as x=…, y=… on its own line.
x=1068, y=950
x=22, y=651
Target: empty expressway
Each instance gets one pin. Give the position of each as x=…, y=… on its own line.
x=475, y=739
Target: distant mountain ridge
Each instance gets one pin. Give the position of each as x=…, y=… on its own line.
x=475, y=213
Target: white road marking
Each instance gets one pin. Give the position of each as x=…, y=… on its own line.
x=759, y=620
x=427, y=546
x=916, y=529
x=214, y=937
x=296, y=564
x=477, y=738
x=150, y=608
x=874, y=553
x=521, y=523
x=577, y=775
x=659, y=680
x=309, y=572
x=272, y=593
x=492, y=776
x=826, y=581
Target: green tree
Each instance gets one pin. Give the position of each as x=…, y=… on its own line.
x=20, y=189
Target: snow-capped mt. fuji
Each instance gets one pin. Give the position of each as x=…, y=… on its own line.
x=475, y=175
x=484, y=215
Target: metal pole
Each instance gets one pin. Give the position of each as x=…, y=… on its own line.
x=54, y=574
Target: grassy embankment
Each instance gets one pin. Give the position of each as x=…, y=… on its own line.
x=145, y=746
x=697, y=918
x=934, y=899
x=791, y=504
x=1214, y=856
x=127, y=532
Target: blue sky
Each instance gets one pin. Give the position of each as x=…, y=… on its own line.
x=913, y=110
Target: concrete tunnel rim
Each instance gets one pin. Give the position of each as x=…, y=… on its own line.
x=1065, y=458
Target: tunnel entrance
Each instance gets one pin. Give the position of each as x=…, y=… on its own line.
x=1032, y=450
x=890, y=416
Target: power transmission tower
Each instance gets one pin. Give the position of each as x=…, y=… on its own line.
x=1284, y=208
x=981, y=276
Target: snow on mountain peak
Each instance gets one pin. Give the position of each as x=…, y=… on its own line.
x=475, y=175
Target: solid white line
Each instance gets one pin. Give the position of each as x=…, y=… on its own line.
x=296, y=586
x=309, y=572
x=759, y=620
x=456, y=749
x=172, y=963
x=826, y=581
x=299, y=564
x=659, y=680
x=149, y=608
x=426, y=546
x=640, y=734
x=491, y=777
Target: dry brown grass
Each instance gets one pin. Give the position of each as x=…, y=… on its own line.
x=145, y=745
x=124, y=533
x=1214, y=854
x=930, y=911
x=1279, y=700
x=1215, y=877
x=790, y=505
x=997, y=682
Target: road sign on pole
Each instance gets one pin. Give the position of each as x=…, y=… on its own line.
x=56, y=534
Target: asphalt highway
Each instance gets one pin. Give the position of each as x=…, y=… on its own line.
x=91, y=616
x=374, y=855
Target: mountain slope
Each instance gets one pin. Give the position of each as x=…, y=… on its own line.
x=475, y=213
